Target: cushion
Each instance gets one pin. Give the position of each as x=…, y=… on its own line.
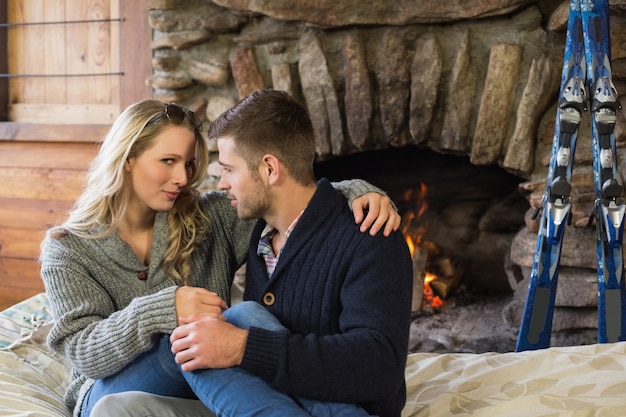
x=33, y=378
x=20, y=319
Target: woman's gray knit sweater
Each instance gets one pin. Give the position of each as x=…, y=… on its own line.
x=109, y=307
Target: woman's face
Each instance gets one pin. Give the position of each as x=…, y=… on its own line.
x=159, y=173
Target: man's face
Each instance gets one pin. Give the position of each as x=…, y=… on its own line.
x=247, y=192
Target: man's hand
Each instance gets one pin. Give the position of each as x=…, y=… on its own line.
x=208, y=343
x=192, y=303
x=380, y=212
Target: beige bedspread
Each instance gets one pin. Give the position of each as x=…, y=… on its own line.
x=568, y=381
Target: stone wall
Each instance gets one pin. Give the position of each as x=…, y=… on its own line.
x=477, y=78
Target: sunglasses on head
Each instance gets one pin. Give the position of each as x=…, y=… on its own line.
x=177, y=115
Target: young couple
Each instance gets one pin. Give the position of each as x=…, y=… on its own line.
x=139, y=274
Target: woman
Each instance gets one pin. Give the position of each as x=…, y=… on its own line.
x=141, y=247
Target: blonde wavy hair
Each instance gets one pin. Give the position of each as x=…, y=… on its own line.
x=104, y=200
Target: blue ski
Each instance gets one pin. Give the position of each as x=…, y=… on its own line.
x=609, y=203
x=586, y=59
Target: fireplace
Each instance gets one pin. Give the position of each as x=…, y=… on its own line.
x=473, y=212
x=474, y=217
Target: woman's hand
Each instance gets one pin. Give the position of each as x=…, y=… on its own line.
x=380, y=212
x=193, y=303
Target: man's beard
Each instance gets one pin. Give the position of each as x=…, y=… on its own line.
x=255, y=205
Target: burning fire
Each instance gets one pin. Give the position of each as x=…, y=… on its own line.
x=414, y=235
x=413, y=232
x=429, y=296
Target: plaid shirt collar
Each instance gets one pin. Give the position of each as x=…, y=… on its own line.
x=265, y=242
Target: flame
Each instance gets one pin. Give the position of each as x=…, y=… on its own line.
x=413, y=235
x=429, y=296
x=420, y=195
x=414, y=232
x=410, y=244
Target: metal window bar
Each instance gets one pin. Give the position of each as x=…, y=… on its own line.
x=67, y=22
x=11, y=25
x=96, y=74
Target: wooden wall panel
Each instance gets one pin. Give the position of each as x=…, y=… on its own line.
x=64, y=113
x=20, y=274
x=20, y=243
x=136, y=56
x=54, y=55
x=38, y=183
x=53, y=155
x=32, y=214
x=43, y=158
x=33, y=132
x=10, y=296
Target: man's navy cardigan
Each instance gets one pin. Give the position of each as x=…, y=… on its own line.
x=345, y=298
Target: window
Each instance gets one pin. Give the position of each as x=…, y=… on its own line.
x=72, y=62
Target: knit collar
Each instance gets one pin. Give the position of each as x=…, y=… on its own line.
x=121, y=252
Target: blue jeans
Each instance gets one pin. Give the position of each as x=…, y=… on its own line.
x=228, y=392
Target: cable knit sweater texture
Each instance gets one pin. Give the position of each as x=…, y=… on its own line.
x=345, y=296
x=105, y=316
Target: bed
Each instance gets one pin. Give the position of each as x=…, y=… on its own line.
x=569, y=381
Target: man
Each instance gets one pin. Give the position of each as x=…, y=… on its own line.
x=343, y=296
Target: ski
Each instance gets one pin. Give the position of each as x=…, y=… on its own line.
x=586, y=59
x=609, y=201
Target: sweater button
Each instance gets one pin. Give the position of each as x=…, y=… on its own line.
x=143, y=275
x=269, y=299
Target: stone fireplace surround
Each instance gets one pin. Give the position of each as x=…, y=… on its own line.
x=462, y=92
